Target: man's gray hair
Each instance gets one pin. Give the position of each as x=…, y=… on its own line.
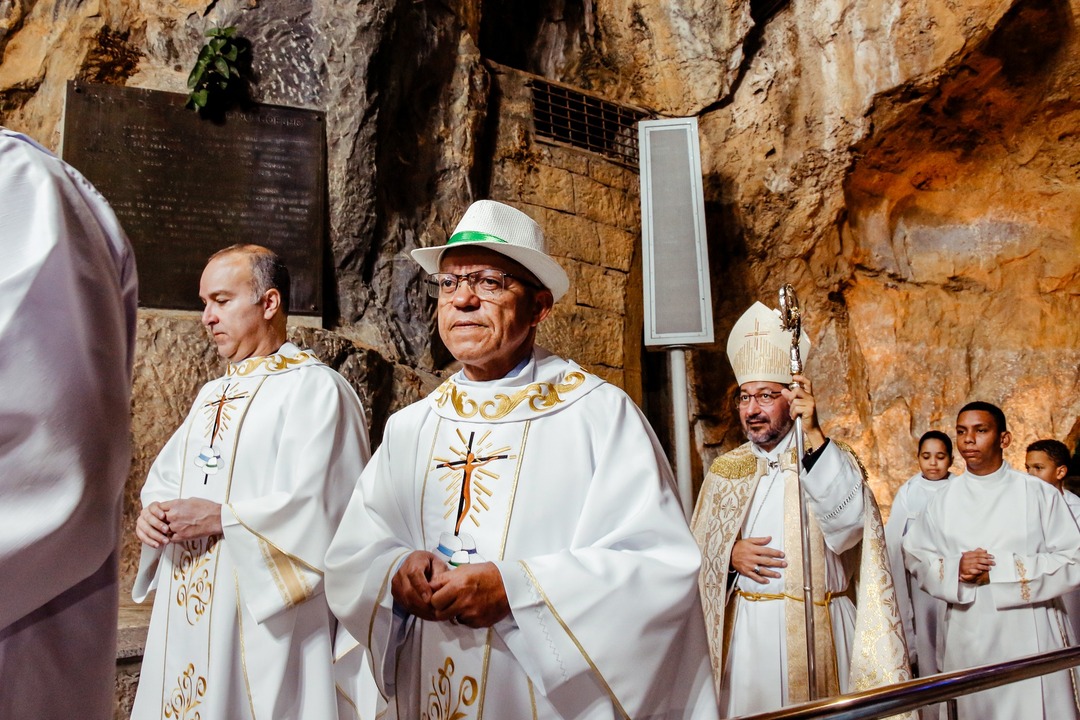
x=268, y=271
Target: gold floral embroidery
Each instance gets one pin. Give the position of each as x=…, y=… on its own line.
x=273, y=363
x=441, y=703
x=1025, y=584
x=540, y=396
x=196, y=589
x=187, y=696
x=734, y=465
x=941, y=569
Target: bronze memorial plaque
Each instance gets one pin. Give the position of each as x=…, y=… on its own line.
x=184, y=187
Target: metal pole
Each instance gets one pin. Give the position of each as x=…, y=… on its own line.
x=791, y=319
x=807, y=569
x=681, y=409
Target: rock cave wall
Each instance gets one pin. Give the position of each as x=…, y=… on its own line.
x=910, y=167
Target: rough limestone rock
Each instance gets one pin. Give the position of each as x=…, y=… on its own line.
x=678, y=57
x=909, y=167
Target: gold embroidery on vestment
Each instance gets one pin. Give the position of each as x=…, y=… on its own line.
x=196, y=590
x=540, y=396
x=293, y=558
x=273, y=363
x=731, y=466
x=444, y=702
x=187, y=696
x=292, y=584
x=243, y=647
x=1025, y=584
x=850, y=451
x=484, y=674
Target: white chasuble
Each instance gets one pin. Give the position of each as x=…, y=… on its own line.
x=240, y=626
x=1025, y=524
x=556, y=477
x=757, y=631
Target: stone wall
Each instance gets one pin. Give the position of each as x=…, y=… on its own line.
x=589, y=209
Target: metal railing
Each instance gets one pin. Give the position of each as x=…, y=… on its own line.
x=914, y=694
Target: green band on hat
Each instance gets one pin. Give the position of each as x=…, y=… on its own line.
x=473, y=236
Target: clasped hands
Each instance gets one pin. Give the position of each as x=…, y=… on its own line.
x=160, y=523
x=472, y=595
x=975, y=566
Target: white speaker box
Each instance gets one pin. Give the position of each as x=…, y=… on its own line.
x=675, y=258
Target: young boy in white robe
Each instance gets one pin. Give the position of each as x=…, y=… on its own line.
x=921, y=612
x=1001, y=548
x=1048, y=460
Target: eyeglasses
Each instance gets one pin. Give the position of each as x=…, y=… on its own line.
x=765, y=398
x=487, y=284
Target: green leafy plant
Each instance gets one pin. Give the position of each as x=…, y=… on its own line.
x=218, y=72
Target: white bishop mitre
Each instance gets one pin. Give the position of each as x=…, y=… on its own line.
x=759, y=350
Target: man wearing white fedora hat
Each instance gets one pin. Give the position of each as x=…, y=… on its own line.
x=515, y=544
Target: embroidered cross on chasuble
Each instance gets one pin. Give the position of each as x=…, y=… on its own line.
x=480, y=442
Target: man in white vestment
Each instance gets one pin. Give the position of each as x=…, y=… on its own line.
x=1001, y=548
x=67, y=338
x=238, y=510
x=515, y=548
x=747, y=525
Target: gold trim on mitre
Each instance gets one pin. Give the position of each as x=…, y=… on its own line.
x=759, y=350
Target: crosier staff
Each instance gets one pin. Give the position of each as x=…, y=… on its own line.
x=791, y=320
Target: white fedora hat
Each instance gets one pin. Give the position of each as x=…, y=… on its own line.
x=507, y=231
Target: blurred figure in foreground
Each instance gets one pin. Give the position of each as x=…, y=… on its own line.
x=67, y=337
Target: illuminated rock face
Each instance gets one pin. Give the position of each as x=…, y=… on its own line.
x=919, y=189
x=910, y=167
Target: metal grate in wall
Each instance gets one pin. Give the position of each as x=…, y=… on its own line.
x=586, y=122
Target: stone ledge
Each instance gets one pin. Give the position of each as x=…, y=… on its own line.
x=132, y=625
